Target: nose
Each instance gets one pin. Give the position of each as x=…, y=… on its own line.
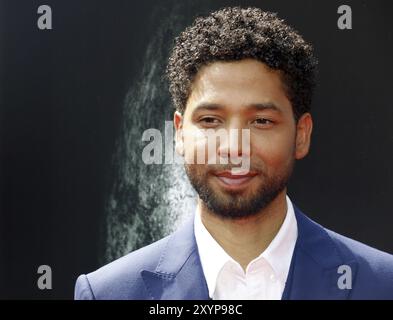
x=235, y=144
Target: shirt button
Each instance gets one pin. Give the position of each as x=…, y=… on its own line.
x=273, y=278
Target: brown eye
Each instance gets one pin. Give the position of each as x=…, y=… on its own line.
x=209, y=121
x=263, y=122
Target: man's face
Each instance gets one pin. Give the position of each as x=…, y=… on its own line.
x=244, y=94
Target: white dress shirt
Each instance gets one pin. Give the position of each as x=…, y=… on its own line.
x=265, y=276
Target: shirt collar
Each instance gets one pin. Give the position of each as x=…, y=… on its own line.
x=278, y=254
x=213, y=257
x=280, y=250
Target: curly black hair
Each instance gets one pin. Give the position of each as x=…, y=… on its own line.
x=235, y=33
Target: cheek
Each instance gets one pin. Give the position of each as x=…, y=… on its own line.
x=275, y=150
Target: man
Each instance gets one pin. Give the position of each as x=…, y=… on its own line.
x=242, y=69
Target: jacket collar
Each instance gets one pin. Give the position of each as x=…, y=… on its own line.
x=179, y=273
x=313, y=272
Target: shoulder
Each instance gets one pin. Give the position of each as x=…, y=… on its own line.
x=374, y=274
x=121, y=279
x=370, y=270
x=365, y=255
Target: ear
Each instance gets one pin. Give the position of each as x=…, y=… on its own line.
x=303, y=135
x=179, y=140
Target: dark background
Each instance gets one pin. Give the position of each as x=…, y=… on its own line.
x=62, y=93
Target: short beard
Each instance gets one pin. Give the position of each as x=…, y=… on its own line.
x=234, y=205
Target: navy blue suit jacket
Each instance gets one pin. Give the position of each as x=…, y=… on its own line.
x=171, y=269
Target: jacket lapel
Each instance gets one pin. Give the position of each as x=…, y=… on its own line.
x=179, y=273
x=314, y=268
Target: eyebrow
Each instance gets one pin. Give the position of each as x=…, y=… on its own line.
x=254, y=106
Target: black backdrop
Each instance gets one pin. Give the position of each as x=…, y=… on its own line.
x=62, y=94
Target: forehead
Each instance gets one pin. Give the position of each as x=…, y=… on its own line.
x=238, y=83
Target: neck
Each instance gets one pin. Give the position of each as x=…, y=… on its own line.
x=244, y=239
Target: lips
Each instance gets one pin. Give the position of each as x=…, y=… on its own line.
x=230, y=180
